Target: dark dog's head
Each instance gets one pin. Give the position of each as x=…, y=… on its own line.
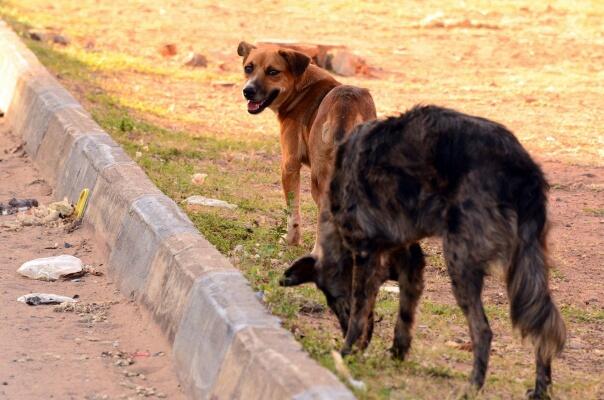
x=271, y=73
x=330, y=269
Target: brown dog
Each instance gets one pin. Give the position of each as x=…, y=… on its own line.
x=314, y=111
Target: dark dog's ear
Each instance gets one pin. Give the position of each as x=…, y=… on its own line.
x=303, y=270
x=297, y=61
x=244, y=49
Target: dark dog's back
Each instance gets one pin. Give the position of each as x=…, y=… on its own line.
x=424, y=156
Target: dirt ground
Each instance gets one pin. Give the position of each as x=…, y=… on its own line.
x=537, y=67
x=109, y=349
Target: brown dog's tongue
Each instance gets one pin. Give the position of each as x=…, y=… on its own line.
x=253, y=105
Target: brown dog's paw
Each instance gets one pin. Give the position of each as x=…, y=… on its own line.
x=294, y=237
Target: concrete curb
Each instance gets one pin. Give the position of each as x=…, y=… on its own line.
x=226, y=345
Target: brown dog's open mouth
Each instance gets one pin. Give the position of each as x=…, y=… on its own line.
x=256, y=107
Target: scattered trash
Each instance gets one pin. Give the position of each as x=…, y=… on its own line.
x=17, y=205
x=206, y=201
x=82, y=203
x=168, y=50
x=51, y=268
x=67, y=245
x=73, y=226
x=34, y=299
x=199, y=179
x=52, y=247
x=45, y=215
x=196, y=60
x=86, y=270
x=344, y=372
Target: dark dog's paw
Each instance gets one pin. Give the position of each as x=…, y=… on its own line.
x=398, y=352
x=537, y=395
x=346, y=351
x=466, y=392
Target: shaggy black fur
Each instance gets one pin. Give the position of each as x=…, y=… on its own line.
x=436, y=172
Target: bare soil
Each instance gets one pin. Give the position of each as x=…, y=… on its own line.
x=108, y=349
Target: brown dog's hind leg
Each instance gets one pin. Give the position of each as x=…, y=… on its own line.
x=411, y=270
x=366, y=281
x=467, y=281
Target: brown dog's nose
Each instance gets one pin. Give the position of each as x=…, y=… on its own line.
x=249, y=92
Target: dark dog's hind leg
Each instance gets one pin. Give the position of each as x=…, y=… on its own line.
x=366, y=281
x=543, y=380
x=411, y=282
x=467, y=281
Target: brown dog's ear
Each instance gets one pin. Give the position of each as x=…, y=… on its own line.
x=297, y=61
x=303, y=270
x=244, y=49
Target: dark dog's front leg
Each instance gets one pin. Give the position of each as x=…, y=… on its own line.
x=366, y=281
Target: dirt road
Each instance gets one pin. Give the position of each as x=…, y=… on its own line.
x=109, y=349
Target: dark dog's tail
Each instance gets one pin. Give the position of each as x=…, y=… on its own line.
x=532, y=309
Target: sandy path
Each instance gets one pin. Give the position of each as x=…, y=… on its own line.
x=46, y=354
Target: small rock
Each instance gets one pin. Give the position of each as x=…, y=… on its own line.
x=38, y=36
x=346, y=63
x=168, y=50
x=208, y=202
x=60, y=39
x=197, y=60
x=198, y=179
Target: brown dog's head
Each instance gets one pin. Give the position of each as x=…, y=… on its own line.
x=271, y=73
x=330, y=269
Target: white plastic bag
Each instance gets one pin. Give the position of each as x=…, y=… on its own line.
x=51, y=268
x=34, y=299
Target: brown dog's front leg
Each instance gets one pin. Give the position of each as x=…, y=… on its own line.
x=290, y=179
x=366, y=281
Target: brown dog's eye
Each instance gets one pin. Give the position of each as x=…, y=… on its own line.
x=248, y=69
x=272, y=72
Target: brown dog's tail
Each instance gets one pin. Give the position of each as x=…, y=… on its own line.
x=531, y=307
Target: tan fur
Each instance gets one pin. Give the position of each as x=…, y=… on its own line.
x=312, y=115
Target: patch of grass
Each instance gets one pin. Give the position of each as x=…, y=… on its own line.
x=581, y=315
x=596, y=212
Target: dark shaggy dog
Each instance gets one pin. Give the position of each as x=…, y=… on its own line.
x=436, y=172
